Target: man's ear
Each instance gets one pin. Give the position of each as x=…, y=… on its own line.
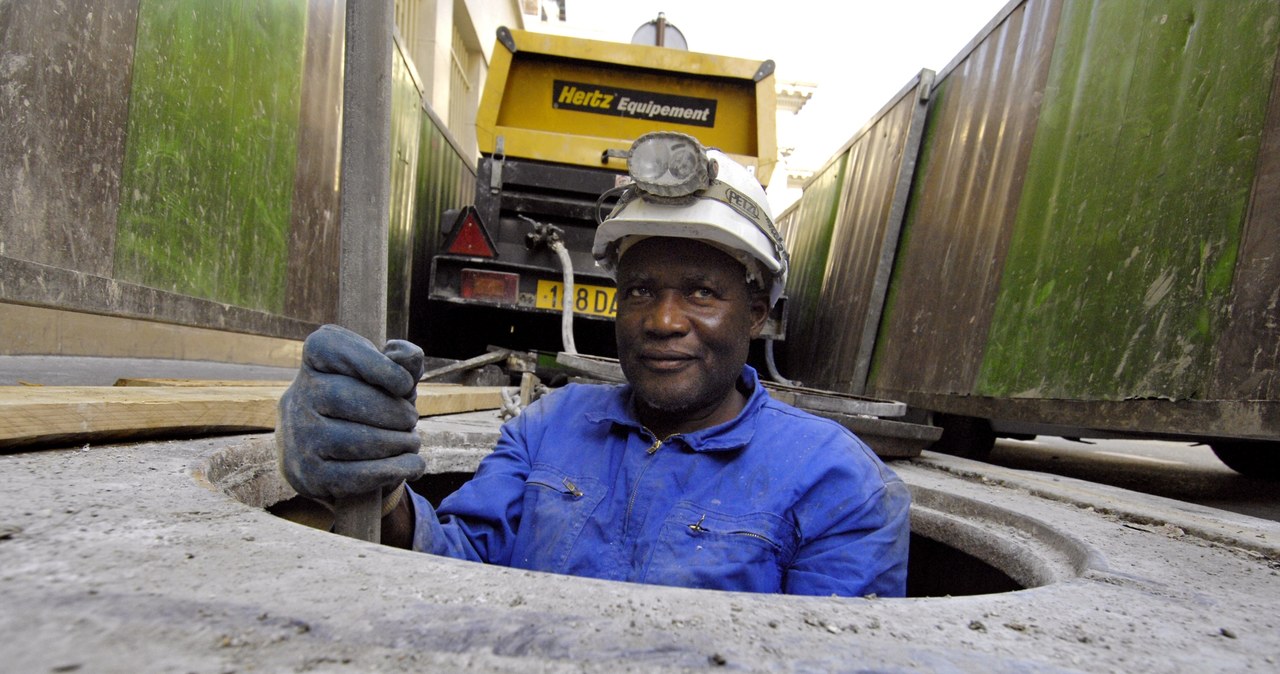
x=759, y=313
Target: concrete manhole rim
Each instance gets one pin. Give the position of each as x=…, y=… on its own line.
x=153, y=564
x=1032, y=552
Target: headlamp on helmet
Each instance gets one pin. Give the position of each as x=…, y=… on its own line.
x=670, y=164
x=680, y=189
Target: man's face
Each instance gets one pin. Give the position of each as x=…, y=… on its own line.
x=685, y=322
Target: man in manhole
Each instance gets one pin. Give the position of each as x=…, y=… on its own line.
x=688, y=475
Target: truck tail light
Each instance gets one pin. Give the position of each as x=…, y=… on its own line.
x=490, y=286
x=469, y=236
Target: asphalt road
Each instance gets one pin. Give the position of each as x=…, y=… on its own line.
x=1181, y=471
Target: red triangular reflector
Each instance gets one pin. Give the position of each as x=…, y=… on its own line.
x=469, y=237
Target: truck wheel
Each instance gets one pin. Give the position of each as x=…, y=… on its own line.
x=968, y=437
x=1251, y=459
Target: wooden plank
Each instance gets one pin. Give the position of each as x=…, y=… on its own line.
x=65, y=414
x=433, y=399
x=439, y=399
x=146, y=381
x=70, y=414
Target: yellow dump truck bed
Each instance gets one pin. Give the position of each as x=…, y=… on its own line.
x=568, y=100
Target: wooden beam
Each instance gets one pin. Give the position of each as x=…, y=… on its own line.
x=440, y=399
x=62, y=415
x=146, y=381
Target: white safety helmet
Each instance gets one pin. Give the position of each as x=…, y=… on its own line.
x=682, y=190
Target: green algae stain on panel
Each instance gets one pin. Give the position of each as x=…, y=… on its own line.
x=212, y=140
x=1134, y=200
x=809, y=242
x=1043, y=293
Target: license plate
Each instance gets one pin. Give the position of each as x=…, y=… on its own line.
x=593, y=300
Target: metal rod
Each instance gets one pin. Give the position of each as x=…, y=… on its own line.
x=365, y=194
x=469, y=364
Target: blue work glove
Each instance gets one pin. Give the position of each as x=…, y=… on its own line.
x=346, y=424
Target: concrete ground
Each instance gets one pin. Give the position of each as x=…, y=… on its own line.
x=136, y=558
x=97, y=371
x=1183, y=471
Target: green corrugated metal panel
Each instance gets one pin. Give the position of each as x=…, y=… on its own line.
x=808, y=242
x=899, y=276
x=879, y=166
x=311, y=284
x=963, y=205
x=406, y=115
x=212, y=139
x=1247, y=354
x=1122, y=255
x=446, y=179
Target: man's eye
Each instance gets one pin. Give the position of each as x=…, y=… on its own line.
x=635, y=291
x=704, y=293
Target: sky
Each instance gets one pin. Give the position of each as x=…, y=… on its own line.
x=858, y=53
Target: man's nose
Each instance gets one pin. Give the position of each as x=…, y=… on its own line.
x=667, y=315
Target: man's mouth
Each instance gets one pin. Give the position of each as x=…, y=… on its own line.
x=666, y=360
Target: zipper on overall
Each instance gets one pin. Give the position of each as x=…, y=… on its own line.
x=568, y=488
x=635, y=489
x=697, y=527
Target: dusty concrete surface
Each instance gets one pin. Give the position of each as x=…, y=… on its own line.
x=117, y=558
x=93, y=371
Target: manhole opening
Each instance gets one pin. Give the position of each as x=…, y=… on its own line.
x=935, y=569
x=939, y=570
x=958, y=546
